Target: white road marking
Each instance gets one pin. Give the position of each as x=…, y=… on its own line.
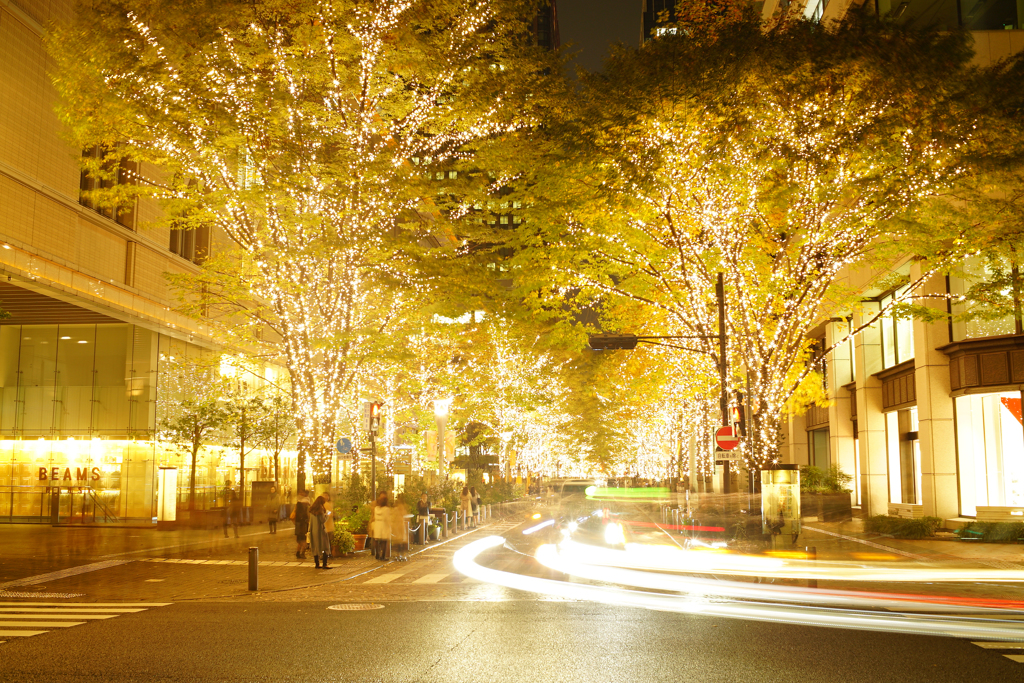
x=1000, y=646
x=85, y=604
x=431, y=578
x=386, y=578
x=21, y=634
x=40, y=624
x=1017, y=658
x=63, y=573
x=60, y=615
x=67, y=608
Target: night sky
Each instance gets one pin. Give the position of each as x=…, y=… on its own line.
x=592, y=25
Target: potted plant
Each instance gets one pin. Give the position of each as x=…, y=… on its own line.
x=357, y=524
x=344, y=543
x=825, y=494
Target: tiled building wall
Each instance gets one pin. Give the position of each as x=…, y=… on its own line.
x=40, y=176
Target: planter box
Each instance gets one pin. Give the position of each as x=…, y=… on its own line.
x=360, y=541
x=826, y=507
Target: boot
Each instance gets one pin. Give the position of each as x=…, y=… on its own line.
x=298, y=555
x=316, y=561
x=325, y=561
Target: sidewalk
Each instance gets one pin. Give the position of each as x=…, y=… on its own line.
x=109, y=564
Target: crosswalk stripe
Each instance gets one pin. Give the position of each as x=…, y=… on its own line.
x=57, y=610
x=85, y=604
x=1017, y=658
x=20, y=634
x=386, y=578
x=431, y=578
x=40, y=624
x=60, y=615
x=1000, y=646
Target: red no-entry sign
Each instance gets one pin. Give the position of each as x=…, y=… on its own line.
x=726, y=438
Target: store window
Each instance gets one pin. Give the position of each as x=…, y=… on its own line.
x=904, y=454
x=990, y=450
x=897, y=334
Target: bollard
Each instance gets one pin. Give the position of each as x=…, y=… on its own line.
x=254, y=569
x=423, y=531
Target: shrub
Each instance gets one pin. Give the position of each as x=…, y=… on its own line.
x=344, y=539
x=992, y=532
x=898, y=527
x=359, y=520
x=816, y=480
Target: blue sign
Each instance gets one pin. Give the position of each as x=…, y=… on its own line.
x=344, y=445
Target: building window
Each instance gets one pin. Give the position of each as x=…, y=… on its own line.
x=126, y=173
x=904, y=453
x=897, y=334
x=990, y=451
x=974, y=272
x=191, y=245
x=820, y=456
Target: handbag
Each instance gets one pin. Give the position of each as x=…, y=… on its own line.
x=292, y=515
x=329, y=524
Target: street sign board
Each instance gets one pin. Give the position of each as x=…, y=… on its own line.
x=726, y=438
x=344, y=445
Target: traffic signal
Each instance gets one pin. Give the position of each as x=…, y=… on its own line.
x=738, y=417
x=375, y=408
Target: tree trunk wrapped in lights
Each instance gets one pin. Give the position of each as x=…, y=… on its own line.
x=302, y=129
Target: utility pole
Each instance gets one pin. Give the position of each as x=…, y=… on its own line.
x=723, y=370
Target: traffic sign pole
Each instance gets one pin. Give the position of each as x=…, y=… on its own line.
x=723, y=368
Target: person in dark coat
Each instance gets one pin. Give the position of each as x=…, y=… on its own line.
x=273, y=508
x=301, y=524
x=319, y=538
x=232, y=511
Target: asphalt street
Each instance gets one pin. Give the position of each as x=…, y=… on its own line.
x=519, y=640
x=166, y=614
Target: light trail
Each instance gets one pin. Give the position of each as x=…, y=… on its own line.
x=667, y=558
x=550, y=557
x=960, y=627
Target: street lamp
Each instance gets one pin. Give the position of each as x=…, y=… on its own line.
x=441, y=406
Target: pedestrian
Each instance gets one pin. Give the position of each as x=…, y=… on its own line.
x=273, y=509
x=466, y=506
x=474, y=501
x=380, y=526
x=400, y=529
x=423, y=513
x=319, y=538
x=232, y=511
x=301, y=517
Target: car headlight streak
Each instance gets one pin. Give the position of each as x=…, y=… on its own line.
x=961, y=627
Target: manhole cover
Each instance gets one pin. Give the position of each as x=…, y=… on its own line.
x=357, y=606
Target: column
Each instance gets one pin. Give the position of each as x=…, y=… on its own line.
x=794, y=449
x=840, y=413
x=874, y=478
x=936, y=435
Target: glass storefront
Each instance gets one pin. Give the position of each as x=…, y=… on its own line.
x=79, y=443
x=990, y=450
x=904, y=454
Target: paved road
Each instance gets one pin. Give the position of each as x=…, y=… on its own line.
x=523, y=640
x=135, y=621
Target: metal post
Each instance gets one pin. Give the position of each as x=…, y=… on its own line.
x=812, y=555
x=723, y=369
x=254, y=569
x=373, y=463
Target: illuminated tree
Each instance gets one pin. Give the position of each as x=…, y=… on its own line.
x=193, y=410
x=777, y=156
x=301, y=129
